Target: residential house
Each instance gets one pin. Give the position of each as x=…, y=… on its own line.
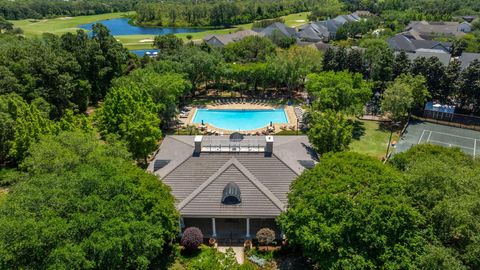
x=223, y=40
x=231, y=188
x=325, y=30
x=313, y=32
x=442, y=56
x=278, y=28
x=401, y=42
x=467, y=58
x=429, y=30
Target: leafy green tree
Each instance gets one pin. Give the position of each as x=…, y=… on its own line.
x=469, y=92
x=167, y=44
x=249, y=49
x=165, y=89
x=349, y=212
x=281, y=40
x=329, y=132
x=434, y=72
x=448, y=197
x=291, y=67
x=130, y=113
x=329, y=62
x=5, y=25
x=84, y=204
x=401, y=64
x=404, y=94
x=339, y=91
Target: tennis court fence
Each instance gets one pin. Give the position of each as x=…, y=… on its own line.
x=450, y=119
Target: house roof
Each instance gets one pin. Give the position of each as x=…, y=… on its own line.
x=313, y=32
x=287, y=31
x=233, y=37
x=401, y=42
x=429, y=28
x=467, y=58
x=441, y=55
x=198, y=181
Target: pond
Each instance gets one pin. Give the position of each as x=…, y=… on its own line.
x=141, y=53
x=121, y=27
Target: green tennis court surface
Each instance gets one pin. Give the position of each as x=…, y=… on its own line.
x=424, y=132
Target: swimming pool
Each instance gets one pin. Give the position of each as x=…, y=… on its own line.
x=240, y=119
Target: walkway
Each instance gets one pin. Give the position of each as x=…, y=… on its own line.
x=239, y=252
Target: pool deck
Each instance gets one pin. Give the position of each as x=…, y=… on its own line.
x=289, y=111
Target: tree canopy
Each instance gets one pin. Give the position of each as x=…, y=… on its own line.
x=350, y=212
x=339, y=91
x=83, y=204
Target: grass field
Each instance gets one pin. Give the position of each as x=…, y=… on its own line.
x=63, y=25
x=371, y=139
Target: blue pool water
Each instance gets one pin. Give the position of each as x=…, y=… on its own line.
x=240, y=119
x=141, y=53
x=120, y=27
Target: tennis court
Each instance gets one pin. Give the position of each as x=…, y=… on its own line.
x=424, y=132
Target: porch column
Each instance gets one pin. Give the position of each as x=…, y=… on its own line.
x=248, y=228
x=214, y=228
x=180, y=226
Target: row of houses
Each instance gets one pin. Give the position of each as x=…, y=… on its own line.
x=417, y=41
x=310, y=32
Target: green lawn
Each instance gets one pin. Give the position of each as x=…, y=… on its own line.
x=63, y=25
x=371, y=139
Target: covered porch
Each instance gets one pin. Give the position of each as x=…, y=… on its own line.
x=230, y=229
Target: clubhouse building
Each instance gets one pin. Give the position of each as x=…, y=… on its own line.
x=230, y=187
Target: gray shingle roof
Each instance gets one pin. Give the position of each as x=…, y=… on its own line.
x=467, y=58
x=442, y=56
x=229, y=38
x=402, y=43
x=426, y=29
x=282, y=28
x=197, y=182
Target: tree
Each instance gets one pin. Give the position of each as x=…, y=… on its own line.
x=249, y=49
x=329, y=132
x=192, y=238
x=355, y=61
x=339, y=91
x=167, y=44
x=459, y=45
x=265, y=236
x=5, y=25
x=85, y=205
x=380, y=59
x=401, y=64
x=329, y=62
x=349, y=211
x=404, y=94
x=448, y=197
x=291, y=67
x=165, y=89
x=469, y=93
x=434, y=72
x=281, y=40
x=130, y=113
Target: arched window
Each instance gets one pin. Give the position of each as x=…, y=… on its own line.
x=231, y=194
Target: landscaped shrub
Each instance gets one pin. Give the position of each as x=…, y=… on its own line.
x=192, y=238
x=265, y=236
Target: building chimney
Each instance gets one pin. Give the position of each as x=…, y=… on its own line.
x=269, y=145
x=198, y=144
